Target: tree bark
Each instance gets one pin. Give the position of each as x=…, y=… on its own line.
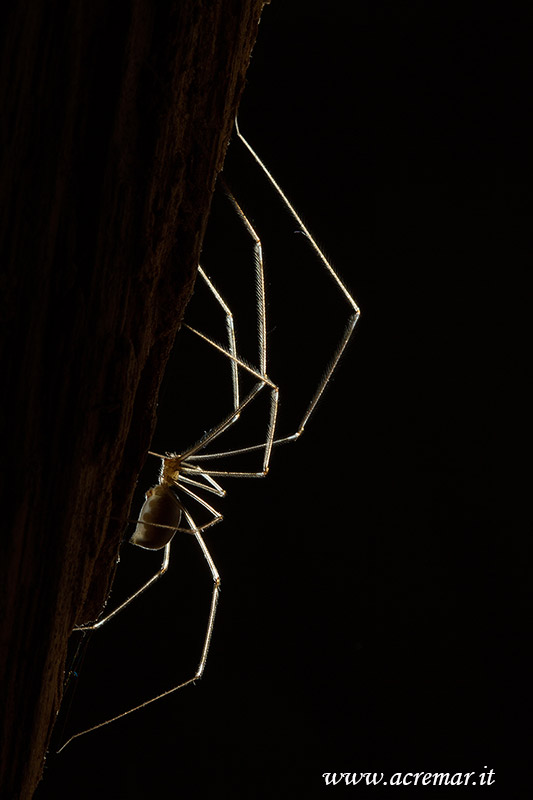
x=116, y=118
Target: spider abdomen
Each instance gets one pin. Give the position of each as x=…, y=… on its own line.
x=158, y=519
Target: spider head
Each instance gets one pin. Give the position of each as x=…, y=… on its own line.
x=170, y=469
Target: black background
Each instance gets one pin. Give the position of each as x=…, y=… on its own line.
x=376, y=602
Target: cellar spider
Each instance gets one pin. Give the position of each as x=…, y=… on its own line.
x=185, y=477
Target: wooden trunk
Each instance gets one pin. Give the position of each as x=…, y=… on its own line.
x=116, y=119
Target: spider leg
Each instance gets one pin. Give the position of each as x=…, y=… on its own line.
x=262, y=374
x=214, y=602
x=205, y=647
x=229, y=420
x=92, y=626
x=259, y=280
x=348, y=331
x=193, y=530
x=230, y=327
x=303, y=422
x=355, y=311
x=299, y=220
x=266, y=447
x=231, y=351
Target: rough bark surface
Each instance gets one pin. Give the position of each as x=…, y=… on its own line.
x=116, y=118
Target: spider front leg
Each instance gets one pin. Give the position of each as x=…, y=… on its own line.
x=326, y=264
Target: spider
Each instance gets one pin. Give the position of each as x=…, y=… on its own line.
x=185, y=477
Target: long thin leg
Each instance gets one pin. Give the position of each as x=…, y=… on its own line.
x=325, y=378
x=205, y=648
x=231, y=351
x=299, y=220
x=261, y=372
x=333, y=274
x=230, y=327
x=266, y=447
x=259, y=280
x=226, y=423
x=217, y=517
x=162, y=569
x=193, y=530
x=261, y=325
x=309, y=410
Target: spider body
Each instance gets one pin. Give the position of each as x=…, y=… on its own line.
x=195, y=472
x=161, y=513
x=159, y=518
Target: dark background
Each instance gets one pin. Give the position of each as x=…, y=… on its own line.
x=375, y=613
